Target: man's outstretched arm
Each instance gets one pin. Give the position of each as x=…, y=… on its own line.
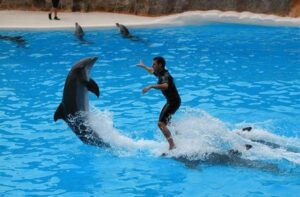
x=147, y=68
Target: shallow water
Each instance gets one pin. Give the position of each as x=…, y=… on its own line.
x=229, y=76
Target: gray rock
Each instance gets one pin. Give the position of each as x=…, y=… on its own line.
x=159, y=7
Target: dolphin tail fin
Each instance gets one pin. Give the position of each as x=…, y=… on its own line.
x=59, y=113
x=247, y=129
x=93, y=87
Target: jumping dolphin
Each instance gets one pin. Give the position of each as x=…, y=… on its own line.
x=74, y=107
x=16, y=39
x=79, y=32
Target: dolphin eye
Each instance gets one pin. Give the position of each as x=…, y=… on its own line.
x=78, y=70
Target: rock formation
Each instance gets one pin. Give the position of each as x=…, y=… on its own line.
x=161, y=7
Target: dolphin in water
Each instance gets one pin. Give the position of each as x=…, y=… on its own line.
x=16, y=39
x=126, y=34
x=231, y=158
x=269, y=144
x=74, y=106
x=124, y=30
x=79, y=32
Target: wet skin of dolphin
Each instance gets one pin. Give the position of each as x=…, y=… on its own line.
x=79, y=31
x=16, y=39
x=232, y=158
x=270, y=144
x=74, y=107
x=123, y=30
x=126, y=34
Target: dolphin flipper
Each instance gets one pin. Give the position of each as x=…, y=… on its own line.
x=93, y=87
x=247, y=129
x=18, y=37
x=59, y=113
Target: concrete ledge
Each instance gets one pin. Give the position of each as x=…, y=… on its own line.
x=39, y=20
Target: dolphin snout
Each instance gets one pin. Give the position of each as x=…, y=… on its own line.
x=85, y=64
x=94, y=59
x=91, y=61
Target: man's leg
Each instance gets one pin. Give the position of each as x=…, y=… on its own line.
x=55, y=15
x=50, y=14
x=163, y=127
x=164, y=118
x=55, y=12
x=55, y=4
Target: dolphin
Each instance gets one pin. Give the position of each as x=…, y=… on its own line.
x=269, y=144
x=79, y=32
x=231, y=158
x=126, y=34
x=124, y=30
x=16, y=39
x=74, y=106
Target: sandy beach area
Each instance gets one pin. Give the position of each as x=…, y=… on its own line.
x=37, y=19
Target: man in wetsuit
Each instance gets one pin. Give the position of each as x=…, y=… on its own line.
x=54, y=9
x=167, y=86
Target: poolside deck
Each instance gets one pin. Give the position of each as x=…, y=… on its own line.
x=38, y=19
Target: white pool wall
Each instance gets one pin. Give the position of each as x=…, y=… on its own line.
x=39, y=20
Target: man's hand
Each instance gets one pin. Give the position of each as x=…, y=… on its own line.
x=146, y=89
x=141, y=64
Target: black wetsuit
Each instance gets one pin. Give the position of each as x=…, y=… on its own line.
x=55, y=3
x=171, y=94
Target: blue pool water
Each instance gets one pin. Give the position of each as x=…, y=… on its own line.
x=229, y=76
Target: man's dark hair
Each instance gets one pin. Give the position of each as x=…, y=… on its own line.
x=160, y=60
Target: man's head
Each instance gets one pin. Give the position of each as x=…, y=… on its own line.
x=159, y=64
x=117, y=24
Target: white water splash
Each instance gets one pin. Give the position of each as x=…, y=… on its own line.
x=270, y=146
x=196, y=135
x=102, y=123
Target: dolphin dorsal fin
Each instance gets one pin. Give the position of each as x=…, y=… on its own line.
x=93, y=87
x=59, y=113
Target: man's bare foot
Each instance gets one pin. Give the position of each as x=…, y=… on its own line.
x=164, y=154
x=171, y=143
x=172, y=146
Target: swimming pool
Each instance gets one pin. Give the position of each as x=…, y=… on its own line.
x=229, y=76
